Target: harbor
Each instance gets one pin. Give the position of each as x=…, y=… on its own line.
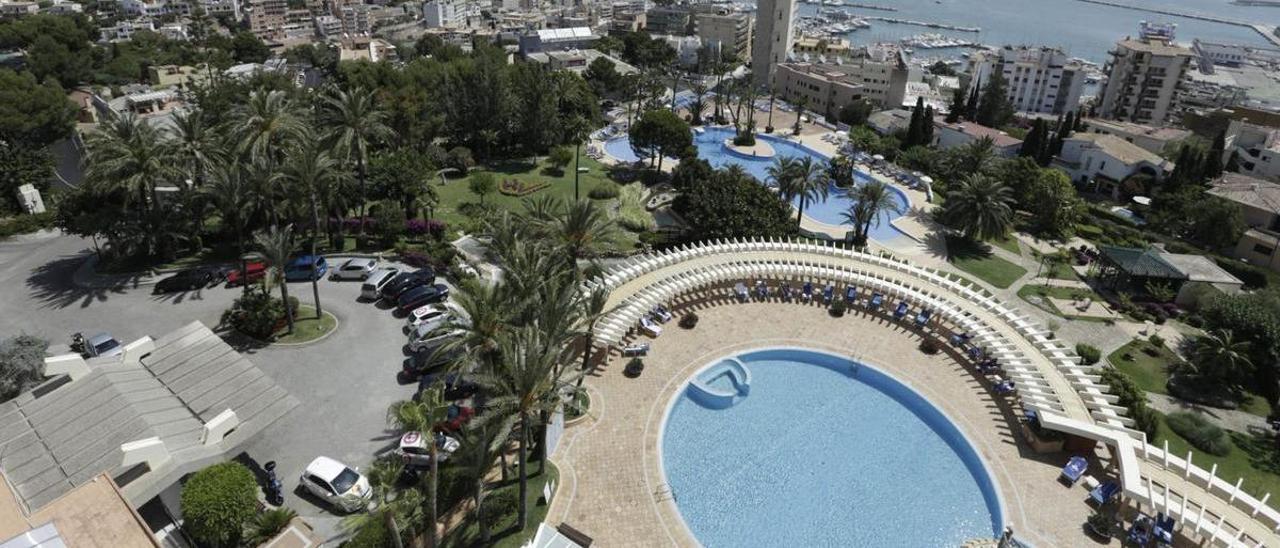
x=1267, y=31
x=931, y=25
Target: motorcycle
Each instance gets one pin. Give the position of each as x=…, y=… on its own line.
x=275, y=489
x=77, y=343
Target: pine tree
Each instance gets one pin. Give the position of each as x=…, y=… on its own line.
x=971, y=107
x=956, y=109
x=994, y=109
x=1064, y=130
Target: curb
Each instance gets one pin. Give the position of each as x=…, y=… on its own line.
x=337, y=322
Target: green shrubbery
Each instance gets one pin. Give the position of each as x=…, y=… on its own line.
x=256, y=314
x=23, y=224
x=603, y=192
x=1089, y=354
x=217, y=502
x=1131, y=396
x=1199, y=432
x=21, y=364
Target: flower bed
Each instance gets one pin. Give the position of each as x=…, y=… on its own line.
x=516, y=187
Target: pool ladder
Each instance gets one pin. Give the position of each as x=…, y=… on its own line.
x=664, y=492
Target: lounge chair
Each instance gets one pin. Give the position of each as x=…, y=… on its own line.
x=1140, y=531
x=974, y=352
x=1074, y=469
x=901, y=311
x=876, y=300
x=661, y=314
x=638, y=349
x=923, y=318
x=762, y=290
x=1004, y=387
x=740, y=290
x=807, y=292
x=851, y=294
x=961, y=339
x=829, y=293
x=1164, y=529
x=785, y=291
x=989, y=367
x=649, y=327
x=1103, y=493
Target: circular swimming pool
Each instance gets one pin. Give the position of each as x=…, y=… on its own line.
x=791, y=447
x=710, y=145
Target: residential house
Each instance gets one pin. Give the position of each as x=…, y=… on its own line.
x=1137, y=270
x=1259, y=203
x=950, y=135
x=889, y=122
x=1102, y=163
x=1151, y=138
x=1257, y=149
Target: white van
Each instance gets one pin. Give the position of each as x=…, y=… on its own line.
x=376, y=280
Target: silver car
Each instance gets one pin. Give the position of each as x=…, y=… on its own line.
x=355, y=269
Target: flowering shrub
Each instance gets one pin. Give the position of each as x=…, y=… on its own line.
x=516, y=187
x=418, y=227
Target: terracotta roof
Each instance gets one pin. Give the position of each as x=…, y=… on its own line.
x=1250, y=191
x=1119, y=149
x=978, y=131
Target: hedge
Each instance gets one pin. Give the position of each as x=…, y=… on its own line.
x=1252, y=276
x=1089, y=354
x=25, y=224
x=217, y=502
x=1199, y=432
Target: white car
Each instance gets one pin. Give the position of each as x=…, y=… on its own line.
x=355, y=269
x=431, y=338
x=414, y=451
x=425, y=318
x=337, y=484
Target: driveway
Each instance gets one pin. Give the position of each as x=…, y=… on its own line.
x=344, y=382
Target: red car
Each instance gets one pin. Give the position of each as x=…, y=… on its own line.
x=253, y=272
x=458, y=417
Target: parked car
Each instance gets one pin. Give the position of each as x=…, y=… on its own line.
x=100, y=345
x=187, y=280
x=253, y=271
x=427, y=340
x=355, y=269
x=337, y=484
x=414, y=451
x=306, y=268
x=427, y=360
x=405, y=281
x=432, y=315
x=378, y=279
x=456, y=385
x=456, y=417
x=420, y=295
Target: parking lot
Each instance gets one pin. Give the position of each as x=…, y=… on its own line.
x=344, y=382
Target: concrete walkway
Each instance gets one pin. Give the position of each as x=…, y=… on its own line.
x=1230, y=419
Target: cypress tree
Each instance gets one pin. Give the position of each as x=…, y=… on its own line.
x=956, y=109
x=927, y=138
x=914, y=129
x=1046, y=154
x=1213, y=164
x=1079, y=125
x=971, y=108
x=1233, y=163
x=994, y=109
x=1032, y=145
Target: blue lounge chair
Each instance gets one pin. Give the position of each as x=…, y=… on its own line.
x=762, y=290
x=960, y=339
x=1004, y=387
x=785, y=290
x=1103, y=494
x=901, y=311
x=989, y=366
x=740, y=291
x=974, y=353
x=1164, y=529
x=1140, y=531
x=829, y=293
x=923, y=317
x=876, y=300
x=808, y=291
x=851, y=294
x=1074, y=469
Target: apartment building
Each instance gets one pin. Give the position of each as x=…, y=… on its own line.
x=830, y=48
x=445, y=13
x=1144, y=78
x=775, y=32
x=267, y=18
x=725, y=30
x=1257, y=149
x=675, y=20
x=878, y=75
x=1039, y=79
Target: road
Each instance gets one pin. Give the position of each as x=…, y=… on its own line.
x=344, y=382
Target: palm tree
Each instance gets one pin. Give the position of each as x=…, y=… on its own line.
x=394, y=510
x=800, y=102
x=421, y=416
x=869, y=201
x=231, y=194
x=481, y=446
x=265, y=123
x=276, y=245
x=195, y=145
x=527, y=382
x=312, y=169
x=354, y=120
x=593, y=307
x=1218, y=355
x=809, y=183
x=975, y=158
x=132, y=156
x=981, y=207
x=579, y=229
x=781, y=173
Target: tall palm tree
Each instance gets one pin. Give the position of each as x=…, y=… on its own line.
x=312, y=169
x=1218, y=355
x=132, y=156
x=480, y=448
x=232, y=196
x=869, y=201
x=195, y=145
x=593, y=307
x=981, y=207
x=276, y=245
x=800, y=102
x=579, y=229
x=780, y=173
x=265, y=123
x=977, y=157
x=354, y=120
x=394, y=510
x=421, y=416
x=809, y=183
x=527, y=382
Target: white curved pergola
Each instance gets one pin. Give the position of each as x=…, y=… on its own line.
x=1068, y=396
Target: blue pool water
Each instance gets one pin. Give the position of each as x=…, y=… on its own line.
x=710, y=144
x=814, y=455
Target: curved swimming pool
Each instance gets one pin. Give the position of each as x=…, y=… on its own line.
x=792, y=447
x=710, y=145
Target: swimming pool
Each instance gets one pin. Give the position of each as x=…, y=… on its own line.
x=793, y=447
x=710, y=145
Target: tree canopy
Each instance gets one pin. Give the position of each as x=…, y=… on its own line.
x=732, y=205
x=33, y=114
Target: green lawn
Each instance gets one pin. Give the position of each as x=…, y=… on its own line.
x=1038, y=295
x=455, y=193
x=978, y=260
x=1009, y=243
x=1149, y=372
x=306, y=327
x=1254, y=458
x=502, y=528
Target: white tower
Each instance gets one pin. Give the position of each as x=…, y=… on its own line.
x=775, y=23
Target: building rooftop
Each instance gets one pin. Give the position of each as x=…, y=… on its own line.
x=1249, y=191
x=1147, y=263
x=1120, y=149
x=1160, y=133
x=55, y=440
x=93, y=514
x=973, y=129
x=1155, y=47
x=569, y=34
x=1198, y=268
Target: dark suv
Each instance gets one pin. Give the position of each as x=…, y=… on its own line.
x=405, y=281
x=187, y=280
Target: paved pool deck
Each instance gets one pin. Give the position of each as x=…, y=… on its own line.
x=612, y=488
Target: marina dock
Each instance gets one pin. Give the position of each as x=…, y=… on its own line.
x=1267, y=31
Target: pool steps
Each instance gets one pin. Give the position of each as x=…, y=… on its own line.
x=701, y=390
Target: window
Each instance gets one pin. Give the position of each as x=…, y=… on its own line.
x=1259, y=248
